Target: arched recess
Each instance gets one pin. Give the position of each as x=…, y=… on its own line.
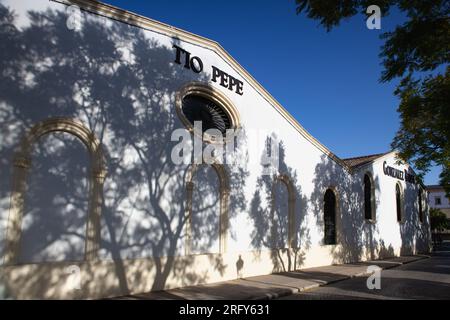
x=369, y=197
x=224, y=195
x=21, y=166
x=399, y=202
x=420, y=204
x=283, y=178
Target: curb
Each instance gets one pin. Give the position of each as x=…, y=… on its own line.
x=272, y=296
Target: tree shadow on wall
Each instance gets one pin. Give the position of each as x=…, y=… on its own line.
x=415, y=235
x=276, y=191
x=46, y=234
x=121, y=85
x=357, y=238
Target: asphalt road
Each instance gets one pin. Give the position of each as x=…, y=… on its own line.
x=423, y=279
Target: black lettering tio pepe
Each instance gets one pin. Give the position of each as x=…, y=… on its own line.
x=195, y=64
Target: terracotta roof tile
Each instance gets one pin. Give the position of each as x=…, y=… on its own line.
x=359, y=161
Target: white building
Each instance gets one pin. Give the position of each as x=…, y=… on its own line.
x=92, y=203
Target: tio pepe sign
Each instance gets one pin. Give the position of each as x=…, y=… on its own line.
x=196, y=64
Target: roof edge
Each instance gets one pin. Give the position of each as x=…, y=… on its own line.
x=363, y=164
x=366, y=156
x=382, y=155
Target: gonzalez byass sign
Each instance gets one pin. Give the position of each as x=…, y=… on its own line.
x=399, y=174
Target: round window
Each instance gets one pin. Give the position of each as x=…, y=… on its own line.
x=211, y=114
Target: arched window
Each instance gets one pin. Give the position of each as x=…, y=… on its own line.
x=210, y=113
x=198, y=102
x=330, y=217
x=398, y=201
x=369, y=198
x=420, y=206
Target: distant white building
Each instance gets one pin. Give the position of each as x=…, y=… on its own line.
x=437, y=199
x=106, y=190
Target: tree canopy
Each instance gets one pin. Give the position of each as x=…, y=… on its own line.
x=417, y=52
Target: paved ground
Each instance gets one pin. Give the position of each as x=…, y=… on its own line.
x=424, y=279
x=278, y=285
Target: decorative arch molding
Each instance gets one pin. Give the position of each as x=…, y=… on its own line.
x=209, y=92
x=224, y=195
x=284, y=178
x=21, y=165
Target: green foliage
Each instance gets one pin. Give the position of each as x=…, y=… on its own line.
x=424, y=134
x=438, y=220
x=331, y=12
x=417, y=52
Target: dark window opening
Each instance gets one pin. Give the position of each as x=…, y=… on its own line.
x=437, y=201
x=212, y=116
x=367, y=197
x=420, y=207
x=330, y=217
x=398, y=198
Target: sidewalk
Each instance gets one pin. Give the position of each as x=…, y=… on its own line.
x=274, y=285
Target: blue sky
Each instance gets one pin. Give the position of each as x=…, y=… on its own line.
x=327, y=81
